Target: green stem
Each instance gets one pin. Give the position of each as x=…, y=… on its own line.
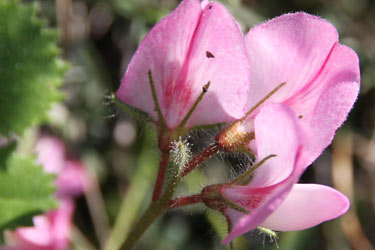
x=200, y=158
x=154, y=211
x=186, y=200
x=158, y=188
x=136, y=193
x=161, y=205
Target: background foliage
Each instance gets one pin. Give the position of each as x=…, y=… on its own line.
x=30, y=71
x=98, y=38
x=29, y=76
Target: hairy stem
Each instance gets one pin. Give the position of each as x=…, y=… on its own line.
x=140, y=185
x=199, y=159
x=158, y=188
x=154, y=211
x=186, y=200
x=162, y=201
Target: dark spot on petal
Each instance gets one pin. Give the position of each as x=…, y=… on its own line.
x=209, y=54
x=300, y=116
x=210, y=7
x=205, y=87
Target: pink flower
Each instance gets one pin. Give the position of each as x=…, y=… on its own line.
x=51, y=231
x=51, y=154
x=272, y=198
x=322, y=76
x=72, y=178
x=322, y=83
x=195, y=44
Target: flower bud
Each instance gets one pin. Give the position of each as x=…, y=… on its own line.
x=237, y=136
x=214, y=198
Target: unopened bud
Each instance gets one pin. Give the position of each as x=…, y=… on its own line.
x=213, y=197
x=236, y=137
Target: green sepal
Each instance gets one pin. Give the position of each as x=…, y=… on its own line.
x=133, y=112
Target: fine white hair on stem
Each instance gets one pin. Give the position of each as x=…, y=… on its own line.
x=272, y=235
x=180, y=151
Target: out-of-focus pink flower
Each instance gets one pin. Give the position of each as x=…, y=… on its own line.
x=51, y=154
x=322, y=76
x=51, y=231
x=196, y=43
x=72, y=178
x=272, y=198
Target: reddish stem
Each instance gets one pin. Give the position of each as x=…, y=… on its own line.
x=198, y=159
x=187, y=200
x=163, y=166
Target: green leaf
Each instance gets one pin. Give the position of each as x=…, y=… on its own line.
x=25, y=190
x=5, y=152
x=30, y=71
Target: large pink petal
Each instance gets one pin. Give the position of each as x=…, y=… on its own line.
x=305, y=206
x=322, y=76
x=276, y=132
x=324, y=110
x=163, y=51
x=292, y=48
x=176, y=50
x=227, y=71
x=243, y=223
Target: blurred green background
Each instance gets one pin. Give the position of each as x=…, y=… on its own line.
x=99, y=37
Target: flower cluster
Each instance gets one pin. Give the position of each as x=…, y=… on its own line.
x=284, y=88
x=52, y=230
